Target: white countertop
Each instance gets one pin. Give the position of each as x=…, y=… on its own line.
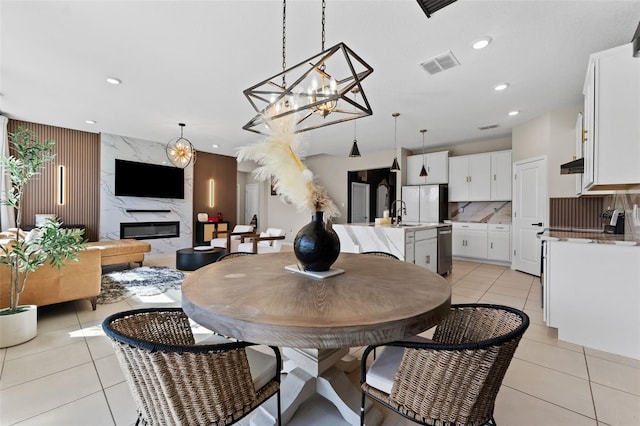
x=588, y=237
x=406, y=226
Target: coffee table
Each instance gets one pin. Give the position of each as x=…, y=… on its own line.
x=190, y=259
x=376, y=300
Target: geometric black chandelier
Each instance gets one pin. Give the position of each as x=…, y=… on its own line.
x=321, y=92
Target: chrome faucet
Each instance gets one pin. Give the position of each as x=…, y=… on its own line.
x=394, y=210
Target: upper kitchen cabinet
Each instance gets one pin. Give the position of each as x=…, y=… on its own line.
x=436, y=164
x=611, y=142
x=470, y=177
x=501, y=176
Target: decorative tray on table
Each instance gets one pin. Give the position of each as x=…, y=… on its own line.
x=321, y=275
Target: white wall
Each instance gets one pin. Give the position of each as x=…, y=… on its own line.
x=552, y=134
x=477, y=147
x=113, y=209
x=562, y=149
x=331, y=173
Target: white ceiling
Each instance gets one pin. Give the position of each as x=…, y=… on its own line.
x=188, y=61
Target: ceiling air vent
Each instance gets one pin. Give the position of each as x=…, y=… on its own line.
x=488, y=126
x=442, y=62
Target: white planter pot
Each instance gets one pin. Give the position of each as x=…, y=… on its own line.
x=18, y=328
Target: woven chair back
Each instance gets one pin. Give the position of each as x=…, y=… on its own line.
x=176, y=382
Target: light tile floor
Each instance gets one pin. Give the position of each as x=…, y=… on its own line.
x=68, y=374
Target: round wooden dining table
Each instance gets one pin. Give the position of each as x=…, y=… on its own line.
x=374, y=300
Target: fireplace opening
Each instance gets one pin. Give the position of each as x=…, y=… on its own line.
x=149, y=230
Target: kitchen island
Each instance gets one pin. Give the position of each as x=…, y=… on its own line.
x=413, y=243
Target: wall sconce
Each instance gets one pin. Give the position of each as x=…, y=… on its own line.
x=211, y=193
x=62, y=190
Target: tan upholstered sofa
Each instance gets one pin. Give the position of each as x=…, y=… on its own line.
x=47, y=285
x=114, y=252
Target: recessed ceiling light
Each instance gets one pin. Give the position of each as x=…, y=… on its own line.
x=215, y=145
x=481, y=43
x=113, y=80
x=90, y=121
x=512, y=113
x=501, y=86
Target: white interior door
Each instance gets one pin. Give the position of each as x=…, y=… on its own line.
x=251, y=195
x=359, y=202
x=529, y=213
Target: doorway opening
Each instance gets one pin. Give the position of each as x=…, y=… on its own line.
x=380, y=188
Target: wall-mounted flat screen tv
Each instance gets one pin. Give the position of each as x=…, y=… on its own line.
x=135, y=179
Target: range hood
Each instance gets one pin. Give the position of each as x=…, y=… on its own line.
x=572, y=167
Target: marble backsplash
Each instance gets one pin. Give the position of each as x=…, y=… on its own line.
x=481, y=211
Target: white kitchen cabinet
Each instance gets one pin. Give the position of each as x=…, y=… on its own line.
x=436, y=164
x=501, y=176
x=426, y=254
x=611, y=91
x=499, y=242
x=438, y=167
x=470, y=240
x=414, y=164
x=409, y=249
x=579, y=140
x=470, y=177
x=593, y=302
x=426, y=249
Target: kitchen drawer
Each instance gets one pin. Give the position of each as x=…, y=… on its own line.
x=499, y=227
x=469, y=226
x=426, y=234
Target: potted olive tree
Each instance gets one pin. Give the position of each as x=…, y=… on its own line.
x=24, y=253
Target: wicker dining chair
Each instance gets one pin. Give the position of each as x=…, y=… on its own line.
x=453, y=379
x=381, y=254
x=175, y=381
x=233, y=254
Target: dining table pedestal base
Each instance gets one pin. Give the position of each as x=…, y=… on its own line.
x=316, y=375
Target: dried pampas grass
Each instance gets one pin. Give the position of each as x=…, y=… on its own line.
x=279, y=156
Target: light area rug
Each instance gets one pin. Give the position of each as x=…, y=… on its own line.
x=143, y=281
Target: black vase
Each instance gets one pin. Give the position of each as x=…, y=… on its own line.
x=315, y=246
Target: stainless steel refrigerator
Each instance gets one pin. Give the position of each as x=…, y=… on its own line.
x=425, y=203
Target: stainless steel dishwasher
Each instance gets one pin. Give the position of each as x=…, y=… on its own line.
x=445, y=259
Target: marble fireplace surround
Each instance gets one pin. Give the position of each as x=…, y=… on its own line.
x=116, y=210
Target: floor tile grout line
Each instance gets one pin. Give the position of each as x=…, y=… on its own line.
x=95, y=367
x=46, y=375
x=613, y=361
x=553, y=369
x=548, y=402
x=593, y=399
x=550, y=368
x=56, y=408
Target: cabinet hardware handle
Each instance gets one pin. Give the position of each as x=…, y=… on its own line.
x=494, y=176
x=428, y=259
x=491, y=245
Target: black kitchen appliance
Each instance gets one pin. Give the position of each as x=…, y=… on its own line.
x=445, y=259
x=613, y=221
